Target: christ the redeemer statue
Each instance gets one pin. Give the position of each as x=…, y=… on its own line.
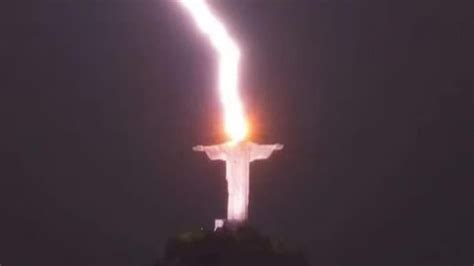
x=238, y=156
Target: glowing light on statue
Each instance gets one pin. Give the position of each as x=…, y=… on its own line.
x=229, y=54
x=238, y=152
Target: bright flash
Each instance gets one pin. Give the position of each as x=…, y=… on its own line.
x=229, y=54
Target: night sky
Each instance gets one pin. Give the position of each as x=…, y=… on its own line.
x=102, y=101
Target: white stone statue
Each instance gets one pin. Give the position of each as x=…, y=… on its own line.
x=238, y=156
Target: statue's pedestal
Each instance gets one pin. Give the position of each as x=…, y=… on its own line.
x=227, y=224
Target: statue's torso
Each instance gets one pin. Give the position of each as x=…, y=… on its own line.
x=237, y=161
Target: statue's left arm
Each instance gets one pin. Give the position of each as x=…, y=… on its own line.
x=261, y=152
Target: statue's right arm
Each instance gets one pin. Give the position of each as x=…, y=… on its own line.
x=198, y=148
x=214, y=152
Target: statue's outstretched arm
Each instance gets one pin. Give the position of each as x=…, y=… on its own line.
x=198, y=148
x=214, y=152
x=261, y=152
x=278, y=146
